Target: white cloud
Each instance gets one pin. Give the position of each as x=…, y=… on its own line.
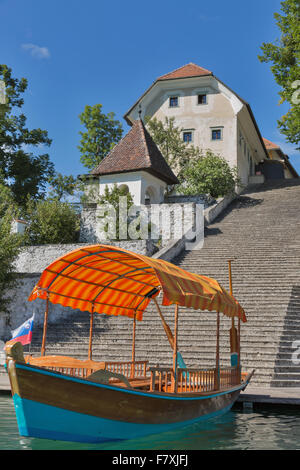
x=36, y=51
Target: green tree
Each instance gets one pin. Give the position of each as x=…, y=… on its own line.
x=114, y=227
x=209, y=174
x=51, y=222
x=102, y=133
x=169, y=140
x=62, y=186
x=9, y=246
x=24, y=172
x=284, y=54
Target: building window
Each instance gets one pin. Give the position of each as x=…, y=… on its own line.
x=202, y=99
x=187, y=136
x=216, y=134
x=173, y=101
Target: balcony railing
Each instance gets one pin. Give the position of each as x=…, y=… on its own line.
x=191, y=380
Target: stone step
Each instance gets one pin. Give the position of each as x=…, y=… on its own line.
x=260, y=230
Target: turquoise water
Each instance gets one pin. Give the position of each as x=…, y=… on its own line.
x=269, y=429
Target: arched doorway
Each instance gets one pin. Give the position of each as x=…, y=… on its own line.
x=150, y=195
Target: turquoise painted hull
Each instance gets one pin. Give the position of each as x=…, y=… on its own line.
x=48, y=422
x=55, y=406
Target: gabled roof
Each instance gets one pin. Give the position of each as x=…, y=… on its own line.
x=189, y=70
x=135, y=152
x=270, y=145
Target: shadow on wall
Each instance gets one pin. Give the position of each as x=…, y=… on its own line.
x=287, y=361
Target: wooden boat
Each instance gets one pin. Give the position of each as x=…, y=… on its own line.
x=62, y=398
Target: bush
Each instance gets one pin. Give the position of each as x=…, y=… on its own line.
x=111, y=198
x=9, y=245
x=209, y=174
x=51, y=222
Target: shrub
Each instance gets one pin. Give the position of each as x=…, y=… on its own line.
x=9, y=245
x=51, y=222
x=209, y=174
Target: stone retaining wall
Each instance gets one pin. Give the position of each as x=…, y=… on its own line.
x=29, y=266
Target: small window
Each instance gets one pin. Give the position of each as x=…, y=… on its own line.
x=173, y=101
x=202, y=99
x=241, y=138
x=216, y=134
x=187, y=136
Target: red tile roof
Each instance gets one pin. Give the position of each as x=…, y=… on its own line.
x=270, y=145
x=135, y=152
x=189, y=70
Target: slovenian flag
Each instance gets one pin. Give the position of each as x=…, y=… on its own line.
x=23, y=334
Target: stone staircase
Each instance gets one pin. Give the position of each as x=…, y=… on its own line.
x=260, y=232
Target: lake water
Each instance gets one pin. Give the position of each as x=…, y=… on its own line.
x=268, y=429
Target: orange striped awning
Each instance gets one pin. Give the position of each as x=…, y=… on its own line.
x=110, y=280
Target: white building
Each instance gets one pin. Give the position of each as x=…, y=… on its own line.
x=137, y=164
x=210, y=114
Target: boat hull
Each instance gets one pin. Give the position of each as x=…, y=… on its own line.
x=56, y=406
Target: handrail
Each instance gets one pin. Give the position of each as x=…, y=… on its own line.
x=130, y=369
x=162, y=379
x=80, y=368
x=193, y=379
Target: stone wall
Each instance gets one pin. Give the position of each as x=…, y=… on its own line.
x=176, y=218
x=29, y=266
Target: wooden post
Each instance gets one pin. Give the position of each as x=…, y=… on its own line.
x=217, y=377
x=45, y=327
x=165, y=325
x=230, y=276
x=175, y=348
x=233, y=332
x=133, y=347
x=91, y=333
x=239, y=351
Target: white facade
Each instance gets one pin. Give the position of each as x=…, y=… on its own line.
x=239, y=140
x=144, y=187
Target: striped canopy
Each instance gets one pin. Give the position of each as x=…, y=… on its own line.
x=114, y=281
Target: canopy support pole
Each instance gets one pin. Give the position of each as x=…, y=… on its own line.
x=165, y=325
x=234, y=340
x=91, y=333
x=217, y=373
x=175, y=348
x=239, y=351
x=133, y=346
x=45, y=327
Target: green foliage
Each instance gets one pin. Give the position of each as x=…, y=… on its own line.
x=62, y=186
x=168, y=138
x=51, y=222
x=284, y=54
x=25, y=173
x=102, y=133
x=9, y=245
x=114, y=227
x=209, y=174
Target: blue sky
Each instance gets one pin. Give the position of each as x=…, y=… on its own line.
x=75, y=53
